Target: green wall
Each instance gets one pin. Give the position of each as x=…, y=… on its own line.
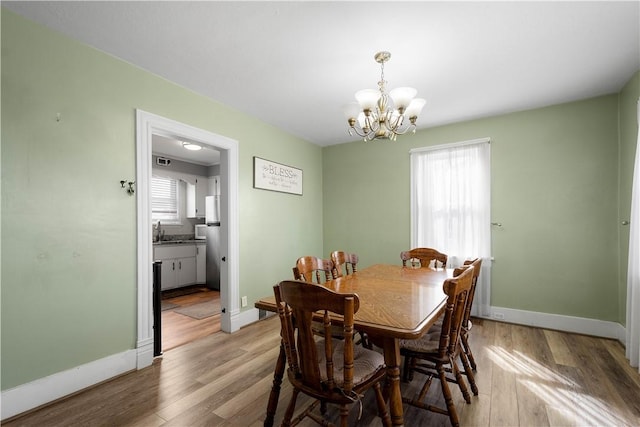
x=69, y=230
x=554, y=189
x=560, y=186
x=628, y=106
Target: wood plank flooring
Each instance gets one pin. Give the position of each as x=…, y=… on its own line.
x=526, y=377
x=178, y=329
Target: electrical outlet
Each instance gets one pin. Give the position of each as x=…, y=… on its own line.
x=244, y=301
x=499, y=316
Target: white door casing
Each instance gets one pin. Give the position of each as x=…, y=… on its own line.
x=147, y=125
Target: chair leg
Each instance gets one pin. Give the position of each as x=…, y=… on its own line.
x=459, y=379
x=469, y=373
x=409, y=365
x=344, y=416
x=446, y=392
x=382, y=406
x=467, y=351
x=286, y=422
x=275, y=388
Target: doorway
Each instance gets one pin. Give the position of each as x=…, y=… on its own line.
x=147, y=125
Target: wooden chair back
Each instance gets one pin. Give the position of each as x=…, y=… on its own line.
x=423, y=257
x=344, y=263
x=477, y=264
x=313, y=269
x=457, y=289
x=300, y=301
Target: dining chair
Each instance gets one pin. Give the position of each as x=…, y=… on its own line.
x=466, y=321
x=466, y=355
x=316, y=270
x=344, y=263
x=423, y=257
x=329, y=370
x=313, y=269
x=435, y=354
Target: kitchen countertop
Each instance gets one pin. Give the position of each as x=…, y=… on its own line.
x=178, y=242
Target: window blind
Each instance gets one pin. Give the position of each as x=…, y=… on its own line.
x=164, y=198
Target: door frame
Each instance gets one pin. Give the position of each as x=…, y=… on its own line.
x=147, y=125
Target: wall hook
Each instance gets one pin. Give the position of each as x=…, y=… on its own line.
x=130, y=189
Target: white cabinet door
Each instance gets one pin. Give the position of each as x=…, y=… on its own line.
x=186, y=271
x=178, y=265
x=168, y=274
x=214, y=185
x=201, y=263
x=201, y=193
x=195, y=197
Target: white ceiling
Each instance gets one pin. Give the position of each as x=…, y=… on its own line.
x=294, y=64
x=172, y=148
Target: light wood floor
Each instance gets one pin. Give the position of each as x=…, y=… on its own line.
x=178, y=329
x=526, y=376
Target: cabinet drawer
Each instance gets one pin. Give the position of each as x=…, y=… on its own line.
x=174, y=251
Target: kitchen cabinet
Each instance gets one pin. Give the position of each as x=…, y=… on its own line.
x=178, y=264
x=195, y=197
x=201, y=262
x=214, y=185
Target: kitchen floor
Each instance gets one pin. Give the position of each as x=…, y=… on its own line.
x=178, y=329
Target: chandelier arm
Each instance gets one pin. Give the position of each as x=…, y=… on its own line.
x=357, y=132
x=369, y=120
x=398, y=121
x=411, y=127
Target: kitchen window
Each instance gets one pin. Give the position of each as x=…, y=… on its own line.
x=164, y=200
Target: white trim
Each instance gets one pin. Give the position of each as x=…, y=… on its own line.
x=229, y=204
x=44, y=390
x=579, y=325
x=247, y=317
x=148, y=124
x=452, y=145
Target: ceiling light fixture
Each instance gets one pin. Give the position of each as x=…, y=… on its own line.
x=374, y=117
x=192, y=147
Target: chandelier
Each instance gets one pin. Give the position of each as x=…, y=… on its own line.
x=374, y=117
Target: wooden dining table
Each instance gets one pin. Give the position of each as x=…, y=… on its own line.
x=395, y=302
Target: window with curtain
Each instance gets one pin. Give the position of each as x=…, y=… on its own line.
x=164, y=200
x=451, y=206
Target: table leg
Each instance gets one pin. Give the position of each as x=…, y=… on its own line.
x=392, y=360
x=275, y=389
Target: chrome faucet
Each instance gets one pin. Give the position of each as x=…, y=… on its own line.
x=158, y=233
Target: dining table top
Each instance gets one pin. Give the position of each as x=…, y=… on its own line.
x=395, y=301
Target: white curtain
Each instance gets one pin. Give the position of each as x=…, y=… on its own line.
x=451, y=206
x=633, y=273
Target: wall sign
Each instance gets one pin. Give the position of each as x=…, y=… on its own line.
x=268, y=175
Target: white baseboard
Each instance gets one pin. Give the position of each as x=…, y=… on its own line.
x=246, y=317
x=44, y=390
x=580, y=325
x=144, y=353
